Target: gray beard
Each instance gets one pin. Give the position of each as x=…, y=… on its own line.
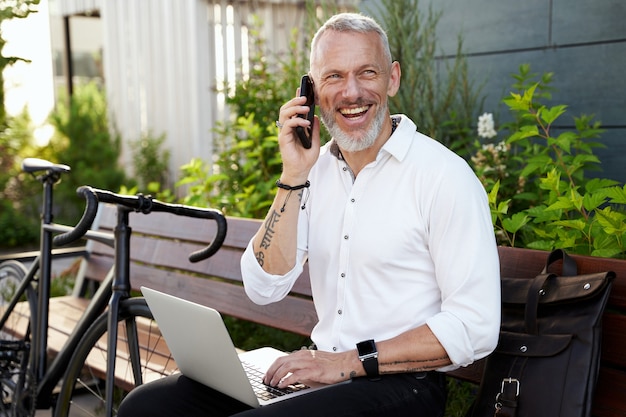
x=349, y=143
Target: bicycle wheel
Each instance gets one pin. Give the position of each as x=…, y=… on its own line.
x=16, y=382
x=83, y=384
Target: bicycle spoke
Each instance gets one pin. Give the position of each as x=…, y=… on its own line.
x=138, y=343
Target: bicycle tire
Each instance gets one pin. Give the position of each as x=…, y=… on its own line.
x=16, y=381
x=82, y=386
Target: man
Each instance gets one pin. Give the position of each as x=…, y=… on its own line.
x=398, y=236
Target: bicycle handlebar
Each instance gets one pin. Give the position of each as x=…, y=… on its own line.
x=84, y=224
x=147, y=204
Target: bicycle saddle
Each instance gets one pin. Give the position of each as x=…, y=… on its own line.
x=36, y=165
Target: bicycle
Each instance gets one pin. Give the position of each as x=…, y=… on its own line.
x=26, y=379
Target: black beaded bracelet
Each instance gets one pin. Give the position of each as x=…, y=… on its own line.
x=292, y=188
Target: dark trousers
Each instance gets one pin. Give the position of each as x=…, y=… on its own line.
x=415, y=395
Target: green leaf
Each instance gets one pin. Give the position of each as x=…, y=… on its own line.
x=612, y=222
x=493, y=194
x=578, y=224
x=524, y=132
x=515, y=222
x=617, y=195
x=606, y=253
x=592, y=201
x=545, y=245
x=551, y=114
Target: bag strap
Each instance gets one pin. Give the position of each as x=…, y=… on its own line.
x=506, y=400
x=569, y=264
x=535, y=292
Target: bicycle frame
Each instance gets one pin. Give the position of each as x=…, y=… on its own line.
x=39, y=275
x=112, y=291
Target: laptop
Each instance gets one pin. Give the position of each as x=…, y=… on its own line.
x=205, y=352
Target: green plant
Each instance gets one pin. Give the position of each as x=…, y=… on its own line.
x=246, y=171
x=435, y=93
x=460, y=397
x=558, y=205
x=20, y=197
x=84, y=142
x=150, y=162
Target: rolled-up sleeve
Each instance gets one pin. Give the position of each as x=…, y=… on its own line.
x=263, y=288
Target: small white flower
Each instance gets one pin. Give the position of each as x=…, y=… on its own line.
x=486, y=126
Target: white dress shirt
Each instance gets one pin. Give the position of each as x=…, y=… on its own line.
x=409, y=241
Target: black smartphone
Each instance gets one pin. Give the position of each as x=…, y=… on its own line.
x=306, y=89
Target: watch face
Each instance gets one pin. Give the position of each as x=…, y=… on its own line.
x=366, y=347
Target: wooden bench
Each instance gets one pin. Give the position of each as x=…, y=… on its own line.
x=161, y=244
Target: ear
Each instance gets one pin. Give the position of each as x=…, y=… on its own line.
x=394, y=79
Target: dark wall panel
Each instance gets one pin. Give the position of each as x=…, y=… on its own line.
x=492, y=25
x=583, y=21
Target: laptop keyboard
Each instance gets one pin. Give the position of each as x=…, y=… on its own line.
x=265, y=392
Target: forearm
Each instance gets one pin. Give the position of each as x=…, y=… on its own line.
x=414, y=351
x=275, y=244
x=417, y=350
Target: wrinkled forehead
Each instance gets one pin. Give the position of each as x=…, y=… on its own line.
x=347, y=48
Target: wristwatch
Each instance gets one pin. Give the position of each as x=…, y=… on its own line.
x=368, y=355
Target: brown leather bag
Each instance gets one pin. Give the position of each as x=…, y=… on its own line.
x=548, y=355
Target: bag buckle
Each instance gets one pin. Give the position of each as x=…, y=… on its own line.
x=508, y=402
x=510, y=381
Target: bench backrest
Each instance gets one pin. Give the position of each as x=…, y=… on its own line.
x=160, y=246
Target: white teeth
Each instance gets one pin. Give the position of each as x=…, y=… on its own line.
x=354, y=111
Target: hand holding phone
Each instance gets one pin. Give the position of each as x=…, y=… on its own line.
x=306, y=90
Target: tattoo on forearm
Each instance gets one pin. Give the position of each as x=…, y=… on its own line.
x=417, y=366
x=260, y=257
x=266, y=241
x=269, y=225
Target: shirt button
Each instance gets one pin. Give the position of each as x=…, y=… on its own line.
x=339, y=312
x=346, y=237
x=334, y=348
x=352, y=200
x=343, y=275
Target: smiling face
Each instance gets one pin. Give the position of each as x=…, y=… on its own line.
x=353, y=78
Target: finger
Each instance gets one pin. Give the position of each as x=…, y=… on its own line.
x=292, y=108
x=274, y=373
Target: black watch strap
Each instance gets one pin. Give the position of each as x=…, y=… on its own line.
x=368, y=354
x=371, y=367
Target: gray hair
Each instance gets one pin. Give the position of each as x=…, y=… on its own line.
x=351, y=22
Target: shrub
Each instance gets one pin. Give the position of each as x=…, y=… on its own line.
x=84, y=142
x=20, y=195
x=150, y=162
x=554, y=203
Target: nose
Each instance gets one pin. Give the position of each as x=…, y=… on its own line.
x=352, y=89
